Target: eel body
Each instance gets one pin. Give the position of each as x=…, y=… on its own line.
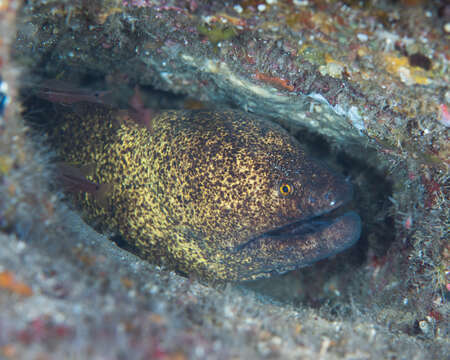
x=221, y=195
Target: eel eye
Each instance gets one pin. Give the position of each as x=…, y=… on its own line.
x=286, y=189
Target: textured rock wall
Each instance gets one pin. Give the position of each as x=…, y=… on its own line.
x=372, y=80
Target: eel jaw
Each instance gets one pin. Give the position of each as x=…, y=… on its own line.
x=297, y=244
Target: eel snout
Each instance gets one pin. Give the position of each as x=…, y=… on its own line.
x=306, y=242
x=299, y=244
x=324, y=192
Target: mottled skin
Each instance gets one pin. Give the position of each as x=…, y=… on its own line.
x=203, y=191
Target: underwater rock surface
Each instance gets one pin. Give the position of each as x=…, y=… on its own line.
x=376, y=74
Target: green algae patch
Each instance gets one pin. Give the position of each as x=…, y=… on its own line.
x=312, y=54
x=216, y=32
x=5, y=164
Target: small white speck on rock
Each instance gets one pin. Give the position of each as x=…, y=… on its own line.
x=362, y=37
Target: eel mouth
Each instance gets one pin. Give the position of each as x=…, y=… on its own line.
x=303, y=242
x=298, y=228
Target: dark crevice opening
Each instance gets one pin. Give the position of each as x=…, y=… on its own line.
x=311, y=285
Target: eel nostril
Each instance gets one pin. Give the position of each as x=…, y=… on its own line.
x=330, y=198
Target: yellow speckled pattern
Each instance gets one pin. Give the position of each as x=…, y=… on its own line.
x=200, y=190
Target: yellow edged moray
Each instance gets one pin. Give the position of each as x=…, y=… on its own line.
x=221, y=195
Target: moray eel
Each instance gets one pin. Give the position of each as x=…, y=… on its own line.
x=220, y=195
